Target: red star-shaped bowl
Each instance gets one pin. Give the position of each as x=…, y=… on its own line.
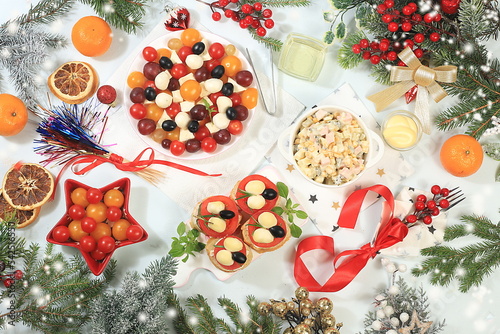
x=97, y=267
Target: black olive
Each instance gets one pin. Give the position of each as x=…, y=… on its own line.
x=193, y=126
x=231, y=113
x=218, y=72
x=168, y=125
x=227, y=89
x=239, y=257
x=226, y=214
x=277, y=231
x=166, y=63
x=150, y=94
x=198, y=48
x=269, y=193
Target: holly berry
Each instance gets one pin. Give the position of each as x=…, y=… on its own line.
x=444, y=203
x=246, y=8
x=356, y=48
x=434, y=37
x=435, y=212
x=375, y=59
x=431, y=204
x=267, y=13
x=421, y=198
x=406, y=26
x=8, y=282
x=387, y=18
x=419, y=38
x=393, y=27
x=435, y=189
x=445, y=192
x=106, y=94
x=261, y=31
x=411, y=219
x=257, y=6
x=364, y=43
x=419, y=206
x=216, y=16
x=427, y=220
x=18, y=274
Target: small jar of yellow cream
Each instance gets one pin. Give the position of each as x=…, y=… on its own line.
x=401, y=130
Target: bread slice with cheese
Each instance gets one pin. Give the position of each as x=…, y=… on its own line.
x=254, y=193
x=265, y=231
x=216, y=216
x=229, y=253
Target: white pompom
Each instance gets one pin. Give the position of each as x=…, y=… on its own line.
x=402, y=268
x=388, y=310
x=385, y=261
x=380, y=314
x=394, y=290
x=376, y=325
x=379, y=297
x=404, y=317
x=390, y=268
x=391, y=331
x=395, y=321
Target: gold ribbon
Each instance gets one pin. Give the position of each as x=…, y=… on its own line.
x=416, y=74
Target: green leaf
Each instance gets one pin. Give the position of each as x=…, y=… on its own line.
x=301, y=214
x=200, y=246
x=328, y=37
x=181, y=228
x=341, y=4
x=288, y=203
x=362, y=11
x=195, y=233
x=176, y=252
x=328, y=16
x=295, y=230
x=278, y=210
x=290, y=217
x=282, y=189
x=492, y=150
x=340, y=30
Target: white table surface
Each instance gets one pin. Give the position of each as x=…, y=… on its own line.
x=271, y=276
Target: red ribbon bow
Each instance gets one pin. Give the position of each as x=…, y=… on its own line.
x=179, y=20
x=392, y=231
x=138, y=164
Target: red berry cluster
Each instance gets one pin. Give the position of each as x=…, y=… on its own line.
x=248, y=16
x=8, y=279
x=425, y=209
x=401, y=23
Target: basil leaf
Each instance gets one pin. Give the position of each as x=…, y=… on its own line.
x=301, y=214
x=278, y=210
x=295, y=231
x=282, y=189
x=181, y=229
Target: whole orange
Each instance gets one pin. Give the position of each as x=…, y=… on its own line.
x=461, y=155
x=91, y=36
x=13, y=115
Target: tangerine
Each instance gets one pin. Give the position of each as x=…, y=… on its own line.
x=13, y=115
x=91, y=36
x=461, y=155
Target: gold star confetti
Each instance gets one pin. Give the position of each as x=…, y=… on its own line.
x=415, y=321
x=290, y=168
x=380, y=172
x=336, y=205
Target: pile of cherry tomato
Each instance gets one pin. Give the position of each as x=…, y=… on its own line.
x=222, y=64
x=97, y=222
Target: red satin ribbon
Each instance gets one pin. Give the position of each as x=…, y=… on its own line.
x=138, y=164
x=392, y=231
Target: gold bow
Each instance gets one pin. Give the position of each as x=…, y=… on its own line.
x=416, y=74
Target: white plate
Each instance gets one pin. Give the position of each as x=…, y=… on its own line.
x=138, y=64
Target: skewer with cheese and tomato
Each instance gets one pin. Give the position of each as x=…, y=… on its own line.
x=216, y=216
x=265, y=231
x=229, y=253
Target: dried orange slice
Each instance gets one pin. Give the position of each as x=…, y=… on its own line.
x=27, y=186
x=22, y=217
x=74, y=82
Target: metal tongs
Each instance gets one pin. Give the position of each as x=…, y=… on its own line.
x=268, y=110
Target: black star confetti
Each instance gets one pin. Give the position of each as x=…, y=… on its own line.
x=431, y=229
x=312, y=198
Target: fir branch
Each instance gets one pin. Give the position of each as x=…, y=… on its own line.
x=44, y=12
x=270, y=42
x=12, y=246
x=180, y=318
x=348, y=59
x=207, y=323
x=469, y=264
x=282, y=3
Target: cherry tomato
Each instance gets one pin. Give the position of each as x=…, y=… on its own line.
x=163, y=52
x=249, y=98
x=114, y=197
x=236, y=99
x=211, y=64
x=94, y=195
x=113, y=213
x=134, y=233
x=190, y=90
x=208, y=144
x=97, y=255
x=216, y=50
x=214, y=96
x=119, y=229
x=136, y=79
x=153, y=111
x=149, y=53
x=179, y=70
x=75, y=230
x=235, y=127
x=177, y=147
x=106, y=244
x=190, y=37
x=138, y=111
x=60, y=233
x=173, y=109
x=150, y=83
x=79, y=196
x=88, y=224
x=184, y=52
x=88, y=244
x=97, y=211
x=202, y=133
x=76, y=212
x=232, y=65
x=101, y=230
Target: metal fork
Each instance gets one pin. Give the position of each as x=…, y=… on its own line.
x=455, y=196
